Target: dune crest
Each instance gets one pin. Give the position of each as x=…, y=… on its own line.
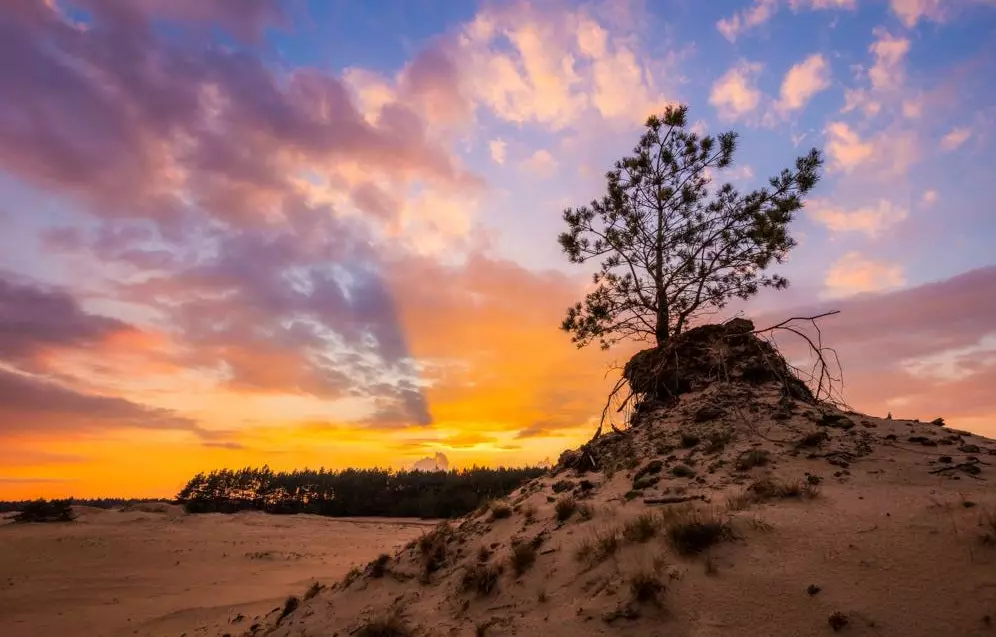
x=734, y=503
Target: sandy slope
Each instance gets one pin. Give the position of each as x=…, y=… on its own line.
x=156, y=571
x=898, y=538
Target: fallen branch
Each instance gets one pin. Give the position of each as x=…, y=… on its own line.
x=675, y=499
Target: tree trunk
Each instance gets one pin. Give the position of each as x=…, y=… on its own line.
x=663, y=320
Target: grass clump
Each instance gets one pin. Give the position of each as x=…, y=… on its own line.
x=716, y=441
x=290, y=605
x=682, y=471
x=769, y=489
x=753, y=458
x=432, y=548
x=689, y=440
x=391, y=625
x=481, y=578
x=523, y=557
x=691, y=532
x=641, y=528
x=598, y=547
x=814, y=439
x=379, y=566
x=313, y=590
x=646, y=587
x=500, y=510
x=586, y=511
x=565, y=508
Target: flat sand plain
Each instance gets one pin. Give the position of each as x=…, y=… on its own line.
x=153, y=570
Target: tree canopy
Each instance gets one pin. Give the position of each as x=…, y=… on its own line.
x=672, y=247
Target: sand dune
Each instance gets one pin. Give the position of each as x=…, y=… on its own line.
x=797, y=519
x=152, y=570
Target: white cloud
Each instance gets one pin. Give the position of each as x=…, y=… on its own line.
x=541, y=164
x=734, y=95
x=929, y=197
x=803, y=81
x=498, y=148
x=870, y=220
x=955, y=138
x=439, y=462
x=854, y=274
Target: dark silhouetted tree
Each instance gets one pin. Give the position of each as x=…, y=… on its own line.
x=672, y=247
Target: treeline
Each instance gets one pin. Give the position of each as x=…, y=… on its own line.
x=99, y=503
x=351, y=492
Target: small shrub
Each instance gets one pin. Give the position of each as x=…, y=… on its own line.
x=523, y=556
x=483, y=554
x=586, y=511
x=641, y=528
x=646, y=587
x=480, y=578
x=529, y=511
x=313, y=590
x=541, y=597
x=379, y=566
x=689, y=440
x=565, y=508
x=633, y=494
x=353, y=574
x=500, y=511
x=691, y=532
x=391, y=625
x=682, y=471
x=753, y=458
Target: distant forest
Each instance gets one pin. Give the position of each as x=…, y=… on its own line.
x=351, y=492
x=99, y=503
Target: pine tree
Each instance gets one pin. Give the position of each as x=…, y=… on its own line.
x=672, y=248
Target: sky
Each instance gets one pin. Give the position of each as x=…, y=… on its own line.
x=237, y=232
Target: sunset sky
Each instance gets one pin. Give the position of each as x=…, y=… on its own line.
x=324, y=233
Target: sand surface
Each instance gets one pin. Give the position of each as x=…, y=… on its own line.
x=156, y=571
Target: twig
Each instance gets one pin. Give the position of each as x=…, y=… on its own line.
x=674, y=499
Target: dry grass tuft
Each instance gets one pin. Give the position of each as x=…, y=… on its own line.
x=565, y=508
x=691, y=531
x=642, y=528
x=717, y=441
x=500, y=510
x=313, y=590
x=480, y=578
x=586, y=511
x=646, y=587
x=432, y=548
x=379, y=566
x=753, y=458
x=770, y=489
x=390, y=625
x=290, y=605
x=523, y=556
x=814, y=439
x=598, y=547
